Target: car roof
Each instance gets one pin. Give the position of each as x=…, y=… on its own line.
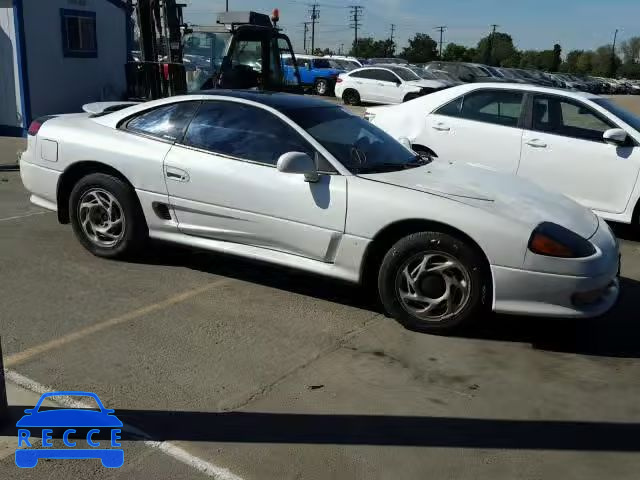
x=276, y=100
x=469, y=87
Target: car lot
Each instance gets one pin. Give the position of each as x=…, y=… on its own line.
x=272, y=373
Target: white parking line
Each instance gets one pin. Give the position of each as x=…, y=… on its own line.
x=209, y=469
x=24, y=216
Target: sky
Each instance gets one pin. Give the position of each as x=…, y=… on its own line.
x=533, y=24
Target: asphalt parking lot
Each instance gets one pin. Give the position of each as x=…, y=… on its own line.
x=251, y=371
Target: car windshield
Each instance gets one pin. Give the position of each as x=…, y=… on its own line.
x=479, y=72
x=507, y=74
x=405, y=74
x=495, y=72
x=359, y=145
x=625, y=115
x=321, y=63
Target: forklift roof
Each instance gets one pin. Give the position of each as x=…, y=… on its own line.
x=245, y=18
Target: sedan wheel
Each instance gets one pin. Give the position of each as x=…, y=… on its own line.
x=106, y=216
x=434, y=282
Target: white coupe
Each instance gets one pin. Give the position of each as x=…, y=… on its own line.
x=582, y=145
x=299, y=182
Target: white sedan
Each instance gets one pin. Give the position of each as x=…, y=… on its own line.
x=299, y=182
x=579, y=144
x=385, y=84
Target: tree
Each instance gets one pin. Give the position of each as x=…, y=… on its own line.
x=321, y=52
x=495, y=49
x=571, y=64
x=457, y=53
x=584, y=64
x=604, y=62
x=630, y=70
x=631, y=50
x=422, y=48
x=557, y=58
x=370, y=48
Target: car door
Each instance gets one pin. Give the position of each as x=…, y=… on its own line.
x=223, y=184
x=364, y=81
x=563, y=149
x=388, y=87
x=480, y=128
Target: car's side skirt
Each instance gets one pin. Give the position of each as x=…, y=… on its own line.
x=346, y=265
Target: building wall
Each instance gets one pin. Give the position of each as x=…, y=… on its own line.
x=10, y=101
x=63, y=85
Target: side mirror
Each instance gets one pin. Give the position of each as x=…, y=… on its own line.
x=299, y=163
x=406, y=143
x=615, y=136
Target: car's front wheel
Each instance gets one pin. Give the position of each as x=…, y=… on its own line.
x=434, y=282
x=106, y=216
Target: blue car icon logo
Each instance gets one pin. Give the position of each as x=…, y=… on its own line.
x=41, y=423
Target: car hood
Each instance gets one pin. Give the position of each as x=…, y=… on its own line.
x=502, y=193
x=425, y=83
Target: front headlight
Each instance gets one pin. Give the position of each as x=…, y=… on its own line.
x=553, y=240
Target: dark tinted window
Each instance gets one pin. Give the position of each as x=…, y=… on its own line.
x=385, y=76
x=243, y=131
x=321, y=63
x=370, y=74
x=500, y=107
x=623, y=114
x=562, y=116
x=167, y=123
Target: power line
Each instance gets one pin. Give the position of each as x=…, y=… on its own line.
x=356, y=13
x=315, y=15
x=442, y=29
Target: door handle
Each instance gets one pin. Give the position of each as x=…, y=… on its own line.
x=176, y=174
x=441, y=127
x=535, y=143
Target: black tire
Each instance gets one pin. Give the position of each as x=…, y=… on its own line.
x=410, y=96
x=478, y=296
x=321, y=87
x=351, y=97
x=134, y=233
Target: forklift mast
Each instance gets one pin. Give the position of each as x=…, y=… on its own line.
x=160, y=71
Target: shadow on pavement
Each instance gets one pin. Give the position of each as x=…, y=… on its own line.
x=250, y=427
x=616, y=334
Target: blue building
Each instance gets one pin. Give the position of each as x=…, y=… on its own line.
x=56, y=55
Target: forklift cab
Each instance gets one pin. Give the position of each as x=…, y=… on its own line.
x=245, y=51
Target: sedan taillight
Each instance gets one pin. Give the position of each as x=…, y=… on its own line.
x=338, y=80
x=35, y=126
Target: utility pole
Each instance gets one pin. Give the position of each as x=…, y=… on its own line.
x=612, y=68
x=341, y=48
x=392, y=38
x=356, y=22
x=306, y=32
x=489, y=52
x=227, y=6
x=442, y=29
x=315, y=15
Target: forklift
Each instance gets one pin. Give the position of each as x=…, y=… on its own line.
x=244, y=50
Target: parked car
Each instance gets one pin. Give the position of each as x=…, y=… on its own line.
x=502, y=74
x=344, y=63
x=387, y=61
x=466, y=72
x=445, y=76
x=572, y=82
x=441, y=76
x=578, y=144
x=385, y=84
x=351, y=60
x=299, y=182
x=315, y=73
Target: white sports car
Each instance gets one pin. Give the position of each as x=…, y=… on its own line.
x=579, y=144
x=299, y=182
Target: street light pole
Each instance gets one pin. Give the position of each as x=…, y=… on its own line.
x=227, y=6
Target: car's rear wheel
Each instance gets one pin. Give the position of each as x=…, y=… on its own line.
x=106, y=216
x=434, y=282
x=351, y=97
x=321, y=87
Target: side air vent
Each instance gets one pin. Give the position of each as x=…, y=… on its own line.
x=162, y=210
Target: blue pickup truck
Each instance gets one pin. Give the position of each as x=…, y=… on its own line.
x=315, y=73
